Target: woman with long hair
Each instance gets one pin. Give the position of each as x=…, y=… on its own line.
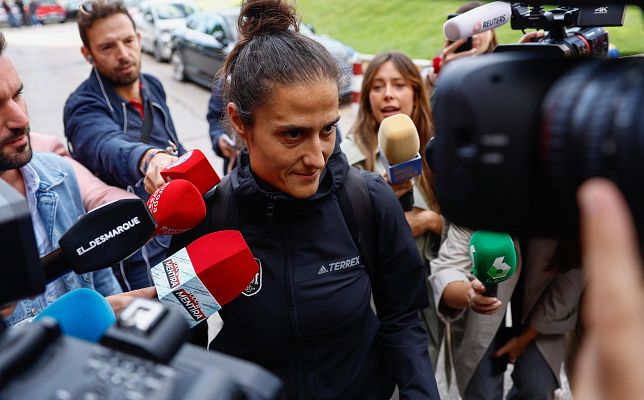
x=392, y=85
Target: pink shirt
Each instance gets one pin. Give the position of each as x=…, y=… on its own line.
x=94, y=191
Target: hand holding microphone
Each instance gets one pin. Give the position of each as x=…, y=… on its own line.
x=478, y=302
x=154, y=161
x=399, y=145
x=480, y=19
x=177, y=206
x=494, y=260
x=193, y=167
x=493, y=257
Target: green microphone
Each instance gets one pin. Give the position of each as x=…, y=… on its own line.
x=493, y=257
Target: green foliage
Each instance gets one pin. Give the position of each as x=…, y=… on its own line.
x=413, y=26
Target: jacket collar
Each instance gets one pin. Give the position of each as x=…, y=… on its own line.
x=102, y=85
x=259, y=196
x=49, y=176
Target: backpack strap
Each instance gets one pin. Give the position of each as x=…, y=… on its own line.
x=225, y=214
x=357, y=211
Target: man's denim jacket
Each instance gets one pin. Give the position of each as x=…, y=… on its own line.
x=59, y=206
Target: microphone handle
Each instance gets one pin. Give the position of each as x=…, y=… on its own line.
x=407, y=200
x=491, y=290
x=54, y=265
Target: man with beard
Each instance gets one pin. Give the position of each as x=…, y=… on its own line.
x=49, y=184
x=117, y=122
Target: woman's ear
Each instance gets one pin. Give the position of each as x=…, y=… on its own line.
x=236, y=122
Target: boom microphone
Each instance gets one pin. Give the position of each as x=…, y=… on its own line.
x=399, y=145
x=82, y=313
x=194, y=167
x=477, y=20
x=177, y=206
x=494, y=259
x=205, y=275
x=100, y=238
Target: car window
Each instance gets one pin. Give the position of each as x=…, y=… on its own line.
x=197, y=22
x=231, y=22
x=176, y=10
x=191, y=23
x=214, y=25
x=145, y=8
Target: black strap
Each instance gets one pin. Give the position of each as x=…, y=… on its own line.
x=146, y=130
x=357, y=211
x=224, y=214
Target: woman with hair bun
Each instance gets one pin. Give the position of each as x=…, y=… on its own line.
x=306, y=316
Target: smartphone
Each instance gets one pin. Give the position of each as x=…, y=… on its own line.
x=465, y=46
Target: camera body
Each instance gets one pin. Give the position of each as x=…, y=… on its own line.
x=143, y=356
x=572, y=31
x=516, y=132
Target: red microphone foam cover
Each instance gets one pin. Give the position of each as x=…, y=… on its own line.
x=224, y=264
x=195, y=168
x=177, y=207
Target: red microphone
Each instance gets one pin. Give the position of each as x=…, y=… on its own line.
x=205, y=275
x=193, y=167
x=177, y=206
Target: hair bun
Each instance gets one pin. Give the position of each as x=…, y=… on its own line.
x=261, y=17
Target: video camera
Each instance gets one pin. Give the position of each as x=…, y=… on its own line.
x=142, y=356
x=516, y=132
x=572, y=31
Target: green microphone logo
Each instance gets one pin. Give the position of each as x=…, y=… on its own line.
x=493, y=257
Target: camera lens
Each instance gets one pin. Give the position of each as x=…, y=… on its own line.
x=593, y=126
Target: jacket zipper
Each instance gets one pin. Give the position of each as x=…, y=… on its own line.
x=172, y=136
x=298, y=371
x=270, y=208
x=124, y=117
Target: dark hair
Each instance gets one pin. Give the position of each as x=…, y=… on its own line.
x=468, y=6
x=3, y=43
x=271, y=52
x=93, y=10
x=365, y=128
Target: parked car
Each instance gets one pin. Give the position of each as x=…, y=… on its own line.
x=156, y=19
x=133, y=6
x=71, y=9
x=49, y=11
x=202, y=44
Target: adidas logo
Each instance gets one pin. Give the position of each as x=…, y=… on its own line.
x=322, y=270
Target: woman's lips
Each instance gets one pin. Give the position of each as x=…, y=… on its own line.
x=388, y=112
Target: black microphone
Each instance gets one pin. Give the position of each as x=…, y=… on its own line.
x=100, y=238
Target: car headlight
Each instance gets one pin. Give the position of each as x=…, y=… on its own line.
x=165, y=37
